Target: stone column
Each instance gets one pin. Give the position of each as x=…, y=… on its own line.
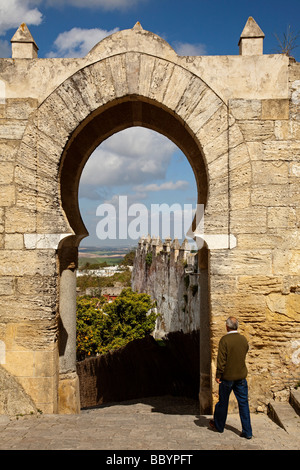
x=67, y=312
x=205, y=393
x=68, y=389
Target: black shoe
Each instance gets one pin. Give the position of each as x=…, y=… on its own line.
x=244, y=435
x=213, y=426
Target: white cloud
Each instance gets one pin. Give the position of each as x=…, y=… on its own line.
x=104, y=4
x=131, y=157
x=185, y=48
x=167, y=186
x=15, y=12
x=78, y=42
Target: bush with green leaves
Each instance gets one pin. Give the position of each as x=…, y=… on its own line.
x=103, y=326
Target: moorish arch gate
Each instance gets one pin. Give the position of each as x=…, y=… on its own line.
x=237, y=120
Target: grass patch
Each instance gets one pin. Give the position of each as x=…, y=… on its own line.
x=98, y=260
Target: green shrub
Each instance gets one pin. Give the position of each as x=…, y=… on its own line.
x=103, y=326
x=148, y=259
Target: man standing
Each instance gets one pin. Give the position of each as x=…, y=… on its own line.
x=231, y=375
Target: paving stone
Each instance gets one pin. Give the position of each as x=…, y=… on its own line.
x=135, y=425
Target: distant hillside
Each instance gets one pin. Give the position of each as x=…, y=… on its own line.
x=109, y=255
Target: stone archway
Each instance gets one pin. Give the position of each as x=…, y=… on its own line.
x=237, y=120
x=193, y=116
x=130, y=111
x=127, y=88
x=104, y=98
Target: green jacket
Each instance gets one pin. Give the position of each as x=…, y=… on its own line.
x=232, y=351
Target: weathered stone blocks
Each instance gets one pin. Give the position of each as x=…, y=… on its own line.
x=237, y=120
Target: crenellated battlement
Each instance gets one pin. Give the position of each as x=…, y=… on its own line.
x=157, y=247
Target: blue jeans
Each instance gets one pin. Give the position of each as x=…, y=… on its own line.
x=240, y=389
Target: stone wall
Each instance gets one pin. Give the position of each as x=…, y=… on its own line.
x=168, y=272
x=14, y=400
x=236, y=118
x=258, y=281
x=177, y=279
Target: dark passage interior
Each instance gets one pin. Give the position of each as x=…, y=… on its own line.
x=143, y=368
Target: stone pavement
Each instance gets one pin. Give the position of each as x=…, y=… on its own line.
x=158, y=423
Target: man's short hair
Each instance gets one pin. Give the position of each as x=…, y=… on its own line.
x=232, y=323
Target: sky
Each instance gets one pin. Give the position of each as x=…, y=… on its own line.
x=138, y=168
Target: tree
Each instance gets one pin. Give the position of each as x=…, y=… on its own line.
x=128, y=258
x=103, y=326
x=288, y=42
x=89, y=325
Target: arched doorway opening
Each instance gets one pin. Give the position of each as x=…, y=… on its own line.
x=111, y=119
x=137, y=182
x=121, y=114
x=134, y=170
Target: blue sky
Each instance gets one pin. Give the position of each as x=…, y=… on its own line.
x=70, y=28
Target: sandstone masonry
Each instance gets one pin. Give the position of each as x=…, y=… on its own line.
x=237, y=120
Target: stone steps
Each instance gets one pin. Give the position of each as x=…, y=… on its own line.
x=295, y=400
x=287, y=414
